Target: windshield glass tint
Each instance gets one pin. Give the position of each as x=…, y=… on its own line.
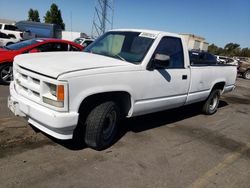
x=126, y=46
x=22, y=44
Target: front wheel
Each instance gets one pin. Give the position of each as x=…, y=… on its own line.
x=6, y=74
x=212, y=102
x=101, y=125
x=246, y=75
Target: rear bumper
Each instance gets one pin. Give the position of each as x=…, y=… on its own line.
x=57, y=124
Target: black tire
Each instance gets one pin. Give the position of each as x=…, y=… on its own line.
x=211, y=104
x=101, y=125
x=246, y=75
x=6, y=74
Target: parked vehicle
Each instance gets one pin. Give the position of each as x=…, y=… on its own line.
x=124, y=73
x=11, y=30
x=202, y=58
x=221, y=59
x=227, y=60
x=8, y=53
x=40, y=30
x=6, y=40
x=232, y=61
x=84, y=41
x=244, y=69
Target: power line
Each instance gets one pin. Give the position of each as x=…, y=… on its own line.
x=103, y=17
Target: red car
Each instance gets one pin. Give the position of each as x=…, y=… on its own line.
x=8, y=53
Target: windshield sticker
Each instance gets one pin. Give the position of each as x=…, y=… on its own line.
x=148, y=35
x=39, y=40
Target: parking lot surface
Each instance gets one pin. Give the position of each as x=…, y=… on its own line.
x=174, y=148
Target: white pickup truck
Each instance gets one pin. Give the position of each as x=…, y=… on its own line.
x=124, y=73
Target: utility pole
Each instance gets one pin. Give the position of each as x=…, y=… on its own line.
x=103, y=17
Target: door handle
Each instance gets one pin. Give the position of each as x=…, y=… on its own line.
x=184, y=77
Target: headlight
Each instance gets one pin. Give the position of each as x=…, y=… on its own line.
x=54, y=95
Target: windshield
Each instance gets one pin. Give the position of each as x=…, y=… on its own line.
x=23, y=44
x=126, y=46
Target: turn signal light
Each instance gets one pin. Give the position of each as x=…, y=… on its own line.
x=60, y=92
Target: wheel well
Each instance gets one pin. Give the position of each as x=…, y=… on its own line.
x=219, y=85
x=5, y=63
x=123, y=99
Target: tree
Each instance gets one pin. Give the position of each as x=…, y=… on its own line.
x=213, y=49
x=33, y=15
x=54, y=16
x=245, y=52
x=232, y=49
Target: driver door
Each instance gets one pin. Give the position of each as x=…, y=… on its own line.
x=168, y=84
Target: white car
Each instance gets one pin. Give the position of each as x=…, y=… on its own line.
x=5, y=40
x=124, y=73
x=221, y=59
x=11, y=30
x=84, y=41
x=227, y=60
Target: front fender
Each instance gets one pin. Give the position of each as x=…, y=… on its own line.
x=76, y=102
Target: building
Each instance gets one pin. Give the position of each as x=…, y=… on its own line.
x=70, y=35
x=6, y=21
x=42, y=30
x=195, y=42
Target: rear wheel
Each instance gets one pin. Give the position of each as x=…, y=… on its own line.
x=6, y=74
x=246, y=75
x=212, y=102
x=101, y=125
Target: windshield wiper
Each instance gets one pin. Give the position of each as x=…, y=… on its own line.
x=109, y=55
x=120, y=57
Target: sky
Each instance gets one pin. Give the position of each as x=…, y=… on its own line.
x=219, y=21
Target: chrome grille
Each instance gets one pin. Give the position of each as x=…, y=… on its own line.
x=27, y=85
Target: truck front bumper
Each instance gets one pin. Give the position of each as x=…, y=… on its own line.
x=60, y=125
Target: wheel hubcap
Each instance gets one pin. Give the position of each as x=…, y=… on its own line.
x=214, y=102
x=248, y=75
x=7, y=74
x=109, y=125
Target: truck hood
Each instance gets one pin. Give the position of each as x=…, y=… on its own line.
x=53, y=64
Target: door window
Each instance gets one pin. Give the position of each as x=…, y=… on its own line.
x=12, y=36
x=53, y=47
x=59, y=47
x=10, y=27
x=171, y=47
x=4, y=36
x=73, y=48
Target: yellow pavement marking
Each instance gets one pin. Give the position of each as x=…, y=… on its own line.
x=201, y=181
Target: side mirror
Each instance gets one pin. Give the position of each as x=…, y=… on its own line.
x=160, y=61
x=161, y=57
x=35, y=50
